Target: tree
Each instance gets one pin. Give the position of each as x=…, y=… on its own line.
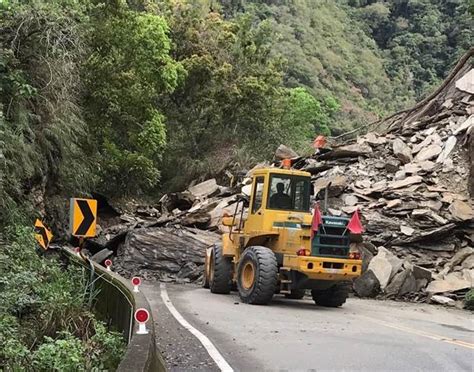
x=129, y=69
x=304, y=118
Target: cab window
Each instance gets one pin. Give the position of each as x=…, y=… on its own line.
x=257, y=194
x=289, y=193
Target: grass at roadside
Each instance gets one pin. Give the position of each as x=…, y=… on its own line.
x=44, y=320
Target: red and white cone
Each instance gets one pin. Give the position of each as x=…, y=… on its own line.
x=142, y=316
x=136, y=281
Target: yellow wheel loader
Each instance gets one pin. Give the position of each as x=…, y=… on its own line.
x=281, y=247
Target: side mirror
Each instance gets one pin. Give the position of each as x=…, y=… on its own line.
x=228, y=221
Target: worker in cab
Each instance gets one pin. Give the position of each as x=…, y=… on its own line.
x=280, y=200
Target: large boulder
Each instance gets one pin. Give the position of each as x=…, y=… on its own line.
x=165, y=252
x=204, y=189
x=384, y=266
x=366, y=285
x=394, y=287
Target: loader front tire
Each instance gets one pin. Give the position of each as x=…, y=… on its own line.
x=220, y=271
x=257, y=275
x=334, y=296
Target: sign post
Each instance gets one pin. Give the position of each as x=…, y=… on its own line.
x=142, y=316
x=136, y=281
x=42, y=234
x=83, y=217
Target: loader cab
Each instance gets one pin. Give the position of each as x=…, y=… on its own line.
x=276, y=194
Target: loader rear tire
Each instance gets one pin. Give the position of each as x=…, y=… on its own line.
x=334, y=296
x=220, y=271
x=296, y=294
x=257, y=275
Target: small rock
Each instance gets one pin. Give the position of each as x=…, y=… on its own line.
x=421, y=273
x=451, y=282
x=443, y=300
x=448, y=147
x=402, y=151
x=448, y=103
x=461, y=211
x=406, y=182
x=428, y=153
x=351, y=200
x=392, y=165
x=468, y=263
x=407, y=230
x=394, y=203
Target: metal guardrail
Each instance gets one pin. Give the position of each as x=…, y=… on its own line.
x=115, y=304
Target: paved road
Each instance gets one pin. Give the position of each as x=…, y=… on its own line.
x=292, y=335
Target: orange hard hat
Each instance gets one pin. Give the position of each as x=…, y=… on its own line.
x=319, y=142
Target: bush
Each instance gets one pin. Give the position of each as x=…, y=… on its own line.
x=469, y=300
x=62, y=354
x=44, y=321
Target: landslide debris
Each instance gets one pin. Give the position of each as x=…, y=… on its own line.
x=412, y=180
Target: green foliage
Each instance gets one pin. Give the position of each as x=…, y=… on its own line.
x=304, y=117
x=40, y=121
x=136, y=97
x=61, y=354
x=105, y=348
x=129, y=69
x=469, y=300
x=42, y=309
x=421, y=39
x=230, y=98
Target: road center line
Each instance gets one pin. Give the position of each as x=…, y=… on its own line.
x=418, y=332
x=208, y=345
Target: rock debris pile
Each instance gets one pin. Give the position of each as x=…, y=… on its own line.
x=412, y=180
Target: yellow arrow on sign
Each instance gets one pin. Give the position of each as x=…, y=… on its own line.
x=83, y=217
x=42, y=234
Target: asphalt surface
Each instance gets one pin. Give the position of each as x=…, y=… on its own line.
x=290, y=335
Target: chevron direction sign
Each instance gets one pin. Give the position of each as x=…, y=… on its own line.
x=42, y=234
x=83, y=217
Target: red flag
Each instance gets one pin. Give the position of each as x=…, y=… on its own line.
x=354, y=225
x=317, y=220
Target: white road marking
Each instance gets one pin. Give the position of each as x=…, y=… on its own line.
x=209, y=346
